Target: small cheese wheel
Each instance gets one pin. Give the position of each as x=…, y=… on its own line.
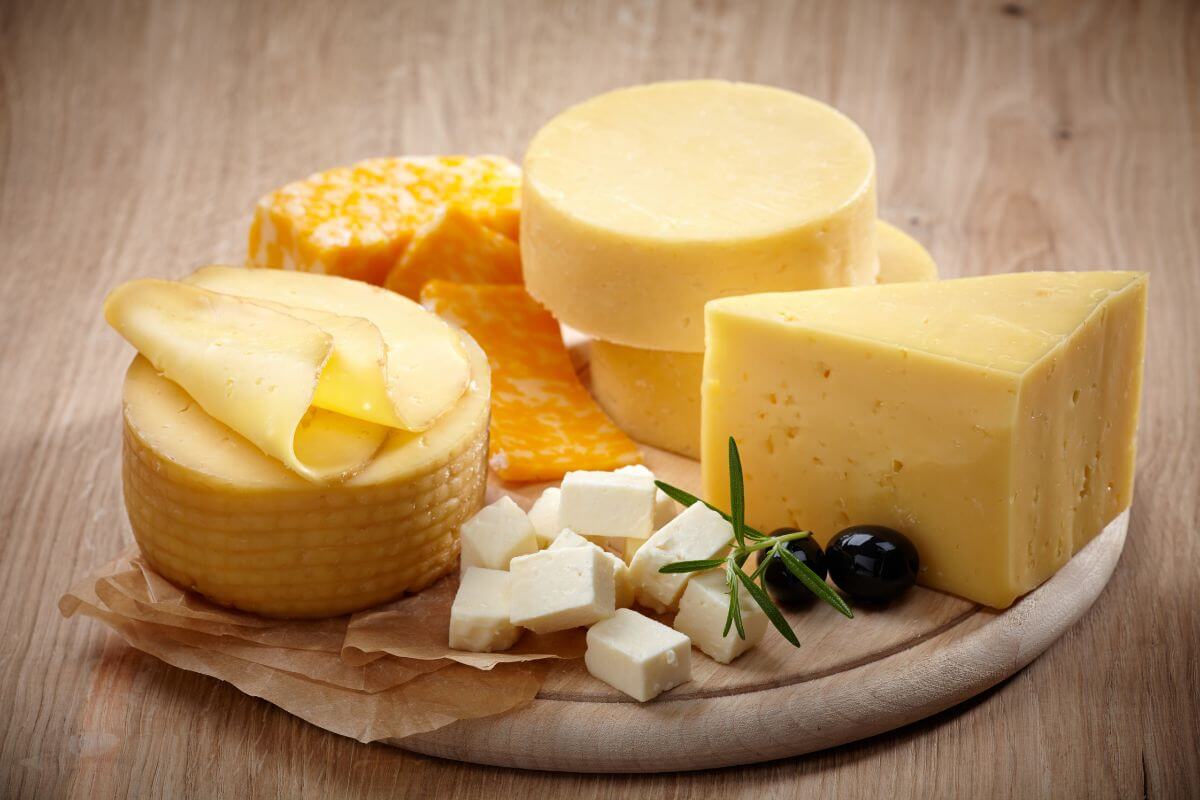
x=654, y=395
x=213, y=513
x=640, y=205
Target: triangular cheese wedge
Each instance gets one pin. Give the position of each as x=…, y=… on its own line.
x=250, y=366
x=990, y=419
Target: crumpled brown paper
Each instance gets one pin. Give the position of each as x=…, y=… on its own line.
x=386, y=673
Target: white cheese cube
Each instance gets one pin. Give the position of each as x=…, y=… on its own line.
x=702, y=612
x=665, y=509
x=479, y=616
x=637, y=655
x=544, y=516
x=697, y=533
x=602, y=504
x=566, y=587
x=623, y=587
x=497, y=534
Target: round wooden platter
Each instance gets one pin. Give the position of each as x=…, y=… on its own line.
x=850, y=679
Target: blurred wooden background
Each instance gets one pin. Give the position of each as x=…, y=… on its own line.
x=134, y=138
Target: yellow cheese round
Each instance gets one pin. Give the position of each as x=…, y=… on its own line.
x=640, y=205
x=213, y=513
x=654, y=395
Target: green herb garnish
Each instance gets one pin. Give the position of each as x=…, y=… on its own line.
x=746, y=541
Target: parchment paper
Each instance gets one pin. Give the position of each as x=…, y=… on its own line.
x=386, y=673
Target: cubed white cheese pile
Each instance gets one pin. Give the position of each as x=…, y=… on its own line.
x=554, y=568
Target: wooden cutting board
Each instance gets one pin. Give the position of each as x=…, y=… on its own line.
x=850, y=679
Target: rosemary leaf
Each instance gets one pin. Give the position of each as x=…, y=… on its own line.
x=812, y=581
x=769, y=608
x=737, y=494
x=686, y=499
x=692, y=566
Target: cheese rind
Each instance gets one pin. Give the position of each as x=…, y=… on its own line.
x=698, y=533
x=703, y=609
x=642, y=204
x=637, y=655
x=213, y=513
x=568, y=587
x=479, y=615
x=654, y=395
x=496, y=535
x=992, y=420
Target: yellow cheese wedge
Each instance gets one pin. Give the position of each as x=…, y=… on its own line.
x=991, y=419
x=419, y=356
x=640, y=205
x=654, y=395
x=254, y=368
x=356, y=221
x=213, y=513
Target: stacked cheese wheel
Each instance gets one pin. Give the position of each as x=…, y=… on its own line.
x=641, y=205
x=222, y=512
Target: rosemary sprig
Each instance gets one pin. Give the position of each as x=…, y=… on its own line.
x=747, y=541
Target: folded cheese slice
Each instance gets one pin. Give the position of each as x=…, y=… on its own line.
x=418, y=356
x=251, y=366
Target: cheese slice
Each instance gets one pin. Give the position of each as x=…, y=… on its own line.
x=254, y=368
x=544, y=422
x=419, y=356
x=992, y=420
x=641, y=205
x=654, y=395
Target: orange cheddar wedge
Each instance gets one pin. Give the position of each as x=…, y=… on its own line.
x=357, y=221
x=455, y=247
x=544, y=422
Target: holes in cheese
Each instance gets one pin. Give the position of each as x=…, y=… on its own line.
x=455, y=247
x=544, y=422
x=406, y=373
x=356, y=221
x=253, y=368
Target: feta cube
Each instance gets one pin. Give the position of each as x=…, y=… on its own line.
x=702, y=612
x=566, y=587
x=665, y=509
x=496, y=535
x=637, y=655
x=544, y=516
x=604, y=504
x=623, y=588
x=697, y=533
x=479, y=615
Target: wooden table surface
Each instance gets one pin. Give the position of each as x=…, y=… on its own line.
x=134, y=138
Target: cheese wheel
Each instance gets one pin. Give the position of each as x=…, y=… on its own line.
x=654, y=395
x=640, y=205
x=213, y=513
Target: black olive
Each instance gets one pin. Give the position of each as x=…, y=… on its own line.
x=871, y=562
x=785, y=587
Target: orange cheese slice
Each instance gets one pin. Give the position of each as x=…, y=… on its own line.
x=544, y=422
x=455, y=247
x=357, y=221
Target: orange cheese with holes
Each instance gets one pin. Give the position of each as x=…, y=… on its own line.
x=457, y=247
x=544, y=423
x=357, y=221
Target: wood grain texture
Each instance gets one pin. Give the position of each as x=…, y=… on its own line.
x=135, y=136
